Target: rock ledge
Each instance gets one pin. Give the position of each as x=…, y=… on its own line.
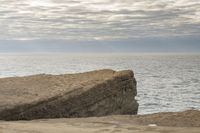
x=95, y=93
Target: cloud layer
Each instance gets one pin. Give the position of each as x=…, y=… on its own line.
x=98, y=19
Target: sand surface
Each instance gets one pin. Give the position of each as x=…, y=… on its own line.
x=182, y=122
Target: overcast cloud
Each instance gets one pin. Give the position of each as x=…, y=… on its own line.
x=98, y=19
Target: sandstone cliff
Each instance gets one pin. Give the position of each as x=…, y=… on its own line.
x=95, y=93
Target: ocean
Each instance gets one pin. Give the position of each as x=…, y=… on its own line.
x=165, y=82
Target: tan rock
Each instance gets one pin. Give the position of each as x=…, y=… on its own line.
x=171, y=122
x=95, y=93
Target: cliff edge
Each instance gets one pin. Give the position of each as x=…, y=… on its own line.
x=95, y=93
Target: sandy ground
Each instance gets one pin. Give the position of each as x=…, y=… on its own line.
x=110, y=124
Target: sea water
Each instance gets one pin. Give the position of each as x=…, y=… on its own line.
x=164, y=82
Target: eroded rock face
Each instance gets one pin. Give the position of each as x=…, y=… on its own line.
x=96, y=93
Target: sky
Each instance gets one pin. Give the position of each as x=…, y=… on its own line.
x=100, y=25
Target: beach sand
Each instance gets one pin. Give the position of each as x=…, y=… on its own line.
x=180, y=122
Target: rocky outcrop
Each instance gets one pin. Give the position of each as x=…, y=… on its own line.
x=95, y=93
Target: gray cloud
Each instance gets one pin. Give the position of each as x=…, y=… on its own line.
x=98, y=19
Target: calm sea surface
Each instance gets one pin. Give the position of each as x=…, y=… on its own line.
x=165, y=82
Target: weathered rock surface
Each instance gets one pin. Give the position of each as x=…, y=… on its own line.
x=95, y=93
x=170, y=122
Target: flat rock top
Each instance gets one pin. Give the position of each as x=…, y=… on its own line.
x=110, y=124
x=23, y=90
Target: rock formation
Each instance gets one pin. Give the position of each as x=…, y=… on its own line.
x=96, y=93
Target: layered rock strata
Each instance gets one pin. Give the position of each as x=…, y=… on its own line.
x=95, y=93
